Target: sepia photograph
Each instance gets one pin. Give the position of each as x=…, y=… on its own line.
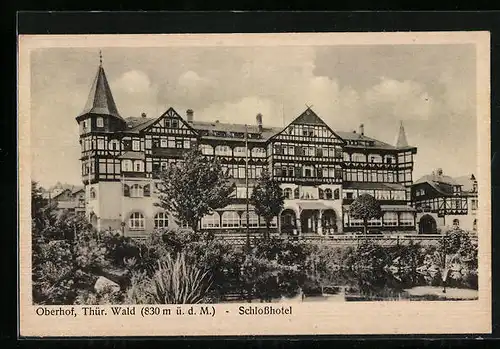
x=264, y=174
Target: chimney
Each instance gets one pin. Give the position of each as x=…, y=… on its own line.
x=190, y=115
x=259, y=121
x=362, y=129
x=439, y=171
x=143, y=115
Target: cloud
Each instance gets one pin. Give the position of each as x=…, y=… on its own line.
x=403, y=100
x=134, y=93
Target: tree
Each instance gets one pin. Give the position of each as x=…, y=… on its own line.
x=365, y=207
x=267, y=199
x=194, y=188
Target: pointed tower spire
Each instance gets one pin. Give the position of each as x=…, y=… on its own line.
x=100, y=99
x=401, y=141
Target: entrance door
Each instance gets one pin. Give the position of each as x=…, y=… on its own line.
x=427, y=225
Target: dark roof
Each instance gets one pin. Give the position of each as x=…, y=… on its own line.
x=354, y=136
x=371, y=186
x=135, y=124
x=100, y=99
x=443, y=179
x=266, y=133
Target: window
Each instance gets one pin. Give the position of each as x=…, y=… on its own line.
x=100, y=143
x=474, y=187
x=174, y=123
x=136, y=145
x=127, y=165
x=100, y=122
x=207, y=149
x=92, y=193
x=321, y=193
x=230, y=219
x=258, y=152
x=336, y=194
x=171, y=142
x=406, y=219
x=138, y=166
x=296, y=193
x=136, y=221
x=375, y=222
x=223, y=150
x=328, y=194
x=136, y=191
x=239, y=151
x=358, y=157
x=84, y=125
x=474, y=225
x=147, y=190
x=253, y=220
x=187, y=144
x=375, y=158
x=287, y=193
x=161, y=220
x=389, y=159
x=473, y=204
x=210, y=221
x=390, y=219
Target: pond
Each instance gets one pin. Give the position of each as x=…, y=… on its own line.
x=381, y=285
x=364, y=285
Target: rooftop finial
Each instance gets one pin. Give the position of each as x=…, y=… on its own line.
x=100, y=58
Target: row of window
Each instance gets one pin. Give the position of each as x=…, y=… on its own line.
x=225, y=150
x=169, y=142
x=311, y=151
x=238, y=171
x=374, y=158
x=307, y=171
x=229, y=219
x=308, y=131
x=377, y=194
x=388, y=219
x=311, y=193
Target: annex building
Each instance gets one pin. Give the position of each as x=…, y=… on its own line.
x=321, y=170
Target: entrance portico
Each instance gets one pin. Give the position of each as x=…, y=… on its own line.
x=309, y=218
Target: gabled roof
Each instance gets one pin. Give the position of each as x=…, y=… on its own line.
x=442, y=179
x=100, y=99
x=308, y=117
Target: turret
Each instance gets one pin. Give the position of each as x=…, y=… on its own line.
x=100, y=112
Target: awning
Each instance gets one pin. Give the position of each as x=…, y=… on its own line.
x=313, y=205
x=390, y=208
x=398, y=208
x=132, y=155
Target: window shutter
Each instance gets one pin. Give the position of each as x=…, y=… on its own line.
x=147, y=190
x=126, y=190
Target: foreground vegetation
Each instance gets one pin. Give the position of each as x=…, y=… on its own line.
x=174, y=267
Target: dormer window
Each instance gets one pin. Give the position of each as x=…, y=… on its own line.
x=100, y=122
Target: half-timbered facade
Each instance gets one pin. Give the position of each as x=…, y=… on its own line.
x=321, y=171
x=442, y=202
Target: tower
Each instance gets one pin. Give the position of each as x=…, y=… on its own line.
x=401, y=141
x=99, y=124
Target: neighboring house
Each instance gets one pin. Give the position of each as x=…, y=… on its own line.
x=444, y=202
x=320, y=170
x=66, y=197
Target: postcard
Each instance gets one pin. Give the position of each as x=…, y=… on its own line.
x=254, y=184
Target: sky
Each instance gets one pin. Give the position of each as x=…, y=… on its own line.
x=430, y=88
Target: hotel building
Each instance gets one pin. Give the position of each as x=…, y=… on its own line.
x=320, y=170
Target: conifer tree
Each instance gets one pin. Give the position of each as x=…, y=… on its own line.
x=194, y=188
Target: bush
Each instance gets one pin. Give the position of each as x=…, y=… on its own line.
x=175, y=281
